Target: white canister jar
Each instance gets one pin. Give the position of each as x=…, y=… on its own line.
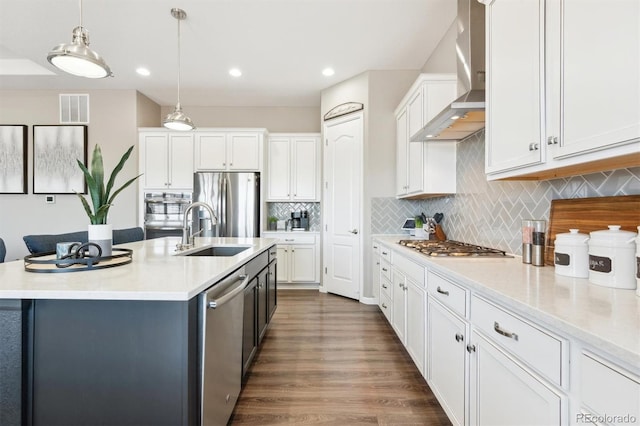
x=611, y=258
x=571, y=254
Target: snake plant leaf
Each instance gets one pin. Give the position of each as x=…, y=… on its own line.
x=115, y=172
x=91, y=185
x=123, y=187
x=97, y=171
x=87, y=208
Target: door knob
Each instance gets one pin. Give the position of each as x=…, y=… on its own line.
x=354, y=231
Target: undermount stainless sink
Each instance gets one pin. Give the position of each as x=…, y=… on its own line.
x=219, y=251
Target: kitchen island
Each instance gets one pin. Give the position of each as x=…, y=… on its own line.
x=112, y=346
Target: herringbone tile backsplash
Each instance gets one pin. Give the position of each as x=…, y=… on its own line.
x=283, y=211
x=490, y=213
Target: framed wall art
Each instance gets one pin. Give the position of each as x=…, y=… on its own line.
x=55, y=151
x=13, y=159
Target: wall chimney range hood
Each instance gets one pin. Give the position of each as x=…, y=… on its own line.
x=464, y=116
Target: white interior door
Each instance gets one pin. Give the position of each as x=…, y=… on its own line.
x=342, y=206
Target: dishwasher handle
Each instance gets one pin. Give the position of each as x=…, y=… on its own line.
x=219, y=301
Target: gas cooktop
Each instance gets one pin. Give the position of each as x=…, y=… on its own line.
x=451, y=248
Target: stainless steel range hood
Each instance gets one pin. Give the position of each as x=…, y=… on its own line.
x=464, y=116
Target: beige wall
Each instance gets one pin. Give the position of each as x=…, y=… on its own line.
x=275, y=119
x=112, y=125
x=148, y=112
x=443, y=58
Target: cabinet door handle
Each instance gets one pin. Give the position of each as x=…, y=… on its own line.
x=385, y=253
x=503, y=332
x=385, y=269
x=377, y=263
x=354, y=231
x=231, y=164
x=384, y=306
x=533, y=147
x=289, y=239
x=471, y=348
x=459, y=337
x=384, y=286
x=224, y=164
x=552, y=140
x=441, y=291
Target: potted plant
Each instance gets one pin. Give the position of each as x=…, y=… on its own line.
x=273, y=223
x=102, y=198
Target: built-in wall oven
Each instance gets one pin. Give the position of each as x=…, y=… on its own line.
x=164, y=213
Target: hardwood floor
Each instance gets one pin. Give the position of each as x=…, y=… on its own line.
x=331, y=360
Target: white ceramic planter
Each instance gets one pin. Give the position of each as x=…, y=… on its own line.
x=101, y=235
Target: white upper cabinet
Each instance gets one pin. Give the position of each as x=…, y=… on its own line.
x=293, y=171
x=223, y=150
x=424, y=168
x=599, y=71
x=563, y=83
x=166, y=160
x=515, y=70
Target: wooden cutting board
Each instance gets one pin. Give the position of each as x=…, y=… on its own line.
x=591, y=214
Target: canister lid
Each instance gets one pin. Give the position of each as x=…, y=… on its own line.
x=613, y=236
x=573, y=237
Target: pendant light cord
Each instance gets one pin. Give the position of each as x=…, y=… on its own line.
x=80, y=13
x=179, y=64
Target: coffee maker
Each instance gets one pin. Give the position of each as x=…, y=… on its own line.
x=300, y=220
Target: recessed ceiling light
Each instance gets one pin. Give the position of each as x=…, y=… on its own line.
x=235, y=72
x=328, y=72
x=143, y=72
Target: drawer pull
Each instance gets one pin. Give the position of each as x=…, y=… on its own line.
x=385, y=253
x=385, y=269
x=384, y=286
x=384, y=306
x=459, y=337
x=471, y=348
x=441, y=291
x=289, y=239
x=504, y=333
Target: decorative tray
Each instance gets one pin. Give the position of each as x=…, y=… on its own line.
x=48, y=263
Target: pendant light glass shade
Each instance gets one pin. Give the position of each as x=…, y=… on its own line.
x=177, y=120
x=76, y=58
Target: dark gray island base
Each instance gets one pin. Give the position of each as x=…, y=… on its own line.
x=116, y=362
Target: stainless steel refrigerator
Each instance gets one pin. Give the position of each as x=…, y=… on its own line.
x=234, y=197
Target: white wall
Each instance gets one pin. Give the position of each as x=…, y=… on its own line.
x=443, y=58
x=112, y=125
x=275, y=119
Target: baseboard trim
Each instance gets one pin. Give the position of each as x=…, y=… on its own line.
x=369, y=300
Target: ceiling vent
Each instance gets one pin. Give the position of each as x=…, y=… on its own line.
x=74, y=109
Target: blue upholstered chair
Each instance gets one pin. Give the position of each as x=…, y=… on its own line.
x=3, y=250
x=46, y=242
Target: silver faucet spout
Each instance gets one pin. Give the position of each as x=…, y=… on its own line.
x=186, y=229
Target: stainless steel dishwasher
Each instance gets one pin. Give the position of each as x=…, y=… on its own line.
x=221, y=309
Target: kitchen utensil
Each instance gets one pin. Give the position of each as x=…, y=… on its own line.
x=611, y=258
x=424, y=217
x=438, y=217
x=440, y=235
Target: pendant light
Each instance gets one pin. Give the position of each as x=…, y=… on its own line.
x=76, y=58
x=177, y=120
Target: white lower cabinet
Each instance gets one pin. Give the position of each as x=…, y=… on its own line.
x=504, y=392
x=399, y=321
x=416, y=323
x=447, y=360
x=298, y=258
x=608, y=392
x=489, y=364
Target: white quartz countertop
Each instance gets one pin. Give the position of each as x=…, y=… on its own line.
x=606, y=318
x=155, y=273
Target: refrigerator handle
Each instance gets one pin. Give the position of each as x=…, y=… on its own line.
x=223, y=207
